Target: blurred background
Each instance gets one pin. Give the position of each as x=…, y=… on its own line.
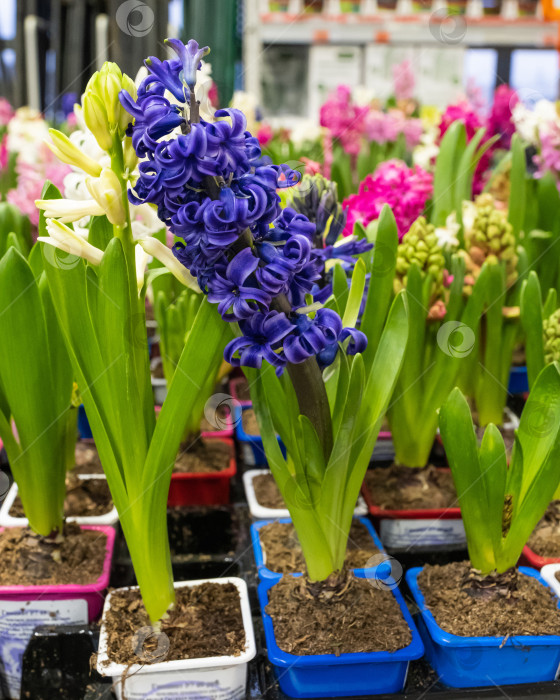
x=288, y=54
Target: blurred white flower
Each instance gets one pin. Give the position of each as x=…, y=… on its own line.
x=426, y=152
x=247, y=103
x=447, y=235
x=469, y=215
x=25, y=134
x=363, y=96
x=530, y=123
x=305, y=130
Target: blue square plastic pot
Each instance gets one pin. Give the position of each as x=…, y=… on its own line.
x=330, y=676
x=383, y=567
x=251, y=445
x=518, y=380
x=467, y=662
x=83, y=424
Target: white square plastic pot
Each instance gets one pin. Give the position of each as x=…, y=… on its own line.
x=261, y=513
x=6, y=520
x=214, y=678
x=548, y=573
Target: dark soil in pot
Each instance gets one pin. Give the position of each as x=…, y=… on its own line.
x=206, y=621
x=249, y=422
x=202, y=457
x=403, y=488
x=198, y=531
x=545, y=539
x=84, y=498
x=353, y=617
x=267, y=492
x=87, y=459
x=157, y=370
x=283, y=551
x=242, y=391
x=468, y=605
x=29, y=560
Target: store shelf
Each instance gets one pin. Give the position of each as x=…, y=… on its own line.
x=407, y=29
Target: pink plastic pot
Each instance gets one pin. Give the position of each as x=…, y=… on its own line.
x=226, y=432
x=22, y=608
x=91, y=592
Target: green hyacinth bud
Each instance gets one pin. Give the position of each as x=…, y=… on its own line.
x=420, y=246
x=551, y=331
x=491, y=236
x=317, y=198
x=103, y=112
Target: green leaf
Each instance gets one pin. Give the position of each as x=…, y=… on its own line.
x=355, y=296
x=532, y=323
x=340, y=289
x=459, y=440
x=451, y=150
x=517, y=196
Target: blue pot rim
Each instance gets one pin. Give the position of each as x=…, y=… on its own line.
x=415, y=650
x=443, y=638
x=267, y=573
x=239, y=431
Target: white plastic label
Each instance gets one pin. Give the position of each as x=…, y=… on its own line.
x=421, y=532
x=18, y=619
x=248, y=454
x=211, y=684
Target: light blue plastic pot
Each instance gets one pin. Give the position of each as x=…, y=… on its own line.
x=330, y=676
x=468, y=662
x=265, y=574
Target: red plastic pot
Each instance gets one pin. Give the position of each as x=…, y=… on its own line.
x=226, y=432
x=529, y=558
x=202, y=489
x=419, y=527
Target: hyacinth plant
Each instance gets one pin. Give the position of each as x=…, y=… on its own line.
x=490, y=243
x=99, y=299
x=313, y=380
x=509, y=499
x=37, y=417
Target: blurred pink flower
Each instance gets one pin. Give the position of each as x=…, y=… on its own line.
x=264, y=134
x=403, y=80
x=312, y=167
x=30, y=181
x=406, y=190
x=4, y=156
x=548, y=159
x=6, y=111
x=500, y=120
x=413, y=131
x=465, y=112
x=344, y=119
